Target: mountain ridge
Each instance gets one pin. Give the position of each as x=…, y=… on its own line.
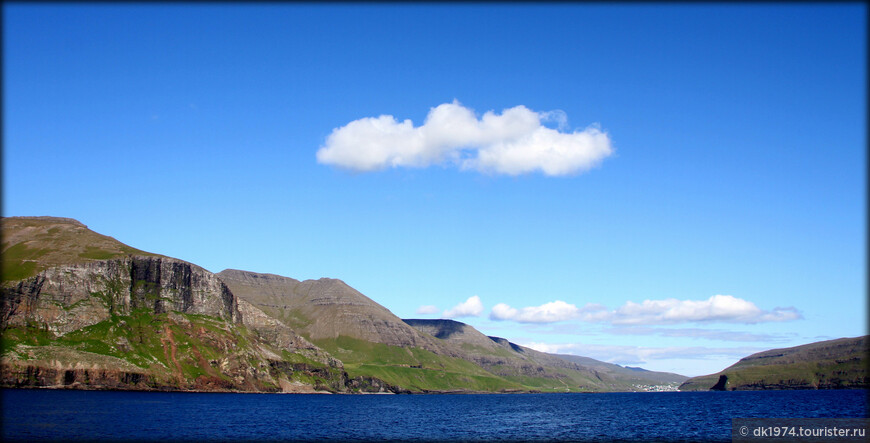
x=831, y=364
x=82, y=310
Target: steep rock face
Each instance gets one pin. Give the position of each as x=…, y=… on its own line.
x=69, y=297
x=31, y=376
x=82, y=310
x=63, y=367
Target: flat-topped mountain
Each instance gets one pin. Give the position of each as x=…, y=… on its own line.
x=831, y=364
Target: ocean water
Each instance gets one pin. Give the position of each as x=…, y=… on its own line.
x=36, y=415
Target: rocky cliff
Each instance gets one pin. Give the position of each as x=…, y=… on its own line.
x=69, y=297
x=79, y=309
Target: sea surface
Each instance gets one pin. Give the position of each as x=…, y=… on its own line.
x=35, y=415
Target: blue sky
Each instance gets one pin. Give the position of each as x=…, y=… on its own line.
x=725, y=185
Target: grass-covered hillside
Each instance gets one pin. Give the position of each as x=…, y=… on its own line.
x=832, y=364
x=31, y=244
x=417, y=355
x=171, y=351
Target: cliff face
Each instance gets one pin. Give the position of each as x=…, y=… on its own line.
x=81, y=310
x=70, y=297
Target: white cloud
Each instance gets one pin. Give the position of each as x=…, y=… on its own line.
x=513, y=142
x=427, y=309
x=469, y=308
x=546, y=313
x=718, y=308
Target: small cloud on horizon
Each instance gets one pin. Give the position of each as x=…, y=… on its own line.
x=718, y=308
x=514, y=142
x=547, y=313
x=472, y=307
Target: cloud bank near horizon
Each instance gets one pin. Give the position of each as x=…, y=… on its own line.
x=718, y=308
x=514, y=142
x=634, y=355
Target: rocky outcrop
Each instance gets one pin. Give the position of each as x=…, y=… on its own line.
x=81, y=310
x=720, y=385
x=70, y=297
x=32, y=376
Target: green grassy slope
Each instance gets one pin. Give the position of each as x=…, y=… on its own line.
x=413, y=369
x=31, y=244
x=537, y=370
x=832, y=364
x=175, y=350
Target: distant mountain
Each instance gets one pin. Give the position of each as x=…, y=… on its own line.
x=832, y=364
x=535, y=368
x=372, y=341
x=82, y=310
x=627, y=373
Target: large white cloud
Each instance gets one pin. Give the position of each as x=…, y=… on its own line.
x=546, y=313
x=469, y=308
x=718, y=308
x=513, y=142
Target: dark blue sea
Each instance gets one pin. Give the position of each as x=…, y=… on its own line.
x=34, y=415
